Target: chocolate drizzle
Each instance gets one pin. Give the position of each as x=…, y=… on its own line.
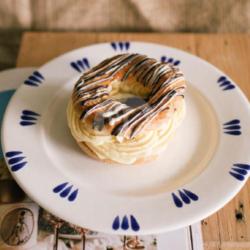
x=92, y=92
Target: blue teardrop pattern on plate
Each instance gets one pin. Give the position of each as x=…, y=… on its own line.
x=184, y=196
x=232, y=127
x=65, y=191
x=225, y=84
x=171, y=60
x=35, y=79
x=80, y=65
x=240, y=171
x=60, y=187
x=124, y=223
x=12, y=153
x=16, y=160
x=177, y=200
x=120, y=46
x=73, y=195
x=28, y=118
x=134, y=224
x=116, y=223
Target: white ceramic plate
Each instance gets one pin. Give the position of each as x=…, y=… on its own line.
x=204, y=166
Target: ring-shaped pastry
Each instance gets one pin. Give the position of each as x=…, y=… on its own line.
x=124, y=109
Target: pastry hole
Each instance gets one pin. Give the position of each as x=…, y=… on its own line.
x=133, y=101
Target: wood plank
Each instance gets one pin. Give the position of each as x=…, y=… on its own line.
x=229, y=228
x=38, y=48
x=232, y=245
x=230, y=53
x=210, y=228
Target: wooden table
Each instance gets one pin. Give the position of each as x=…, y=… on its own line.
x=229, y=228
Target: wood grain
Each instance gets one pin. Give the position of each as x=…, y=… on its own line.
x=229, y=228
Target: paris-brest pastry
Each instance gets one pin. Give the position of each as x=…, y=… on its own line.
x=124, y=109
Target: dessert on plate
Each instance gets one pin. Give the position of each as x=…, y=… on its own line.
x=125, y=109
